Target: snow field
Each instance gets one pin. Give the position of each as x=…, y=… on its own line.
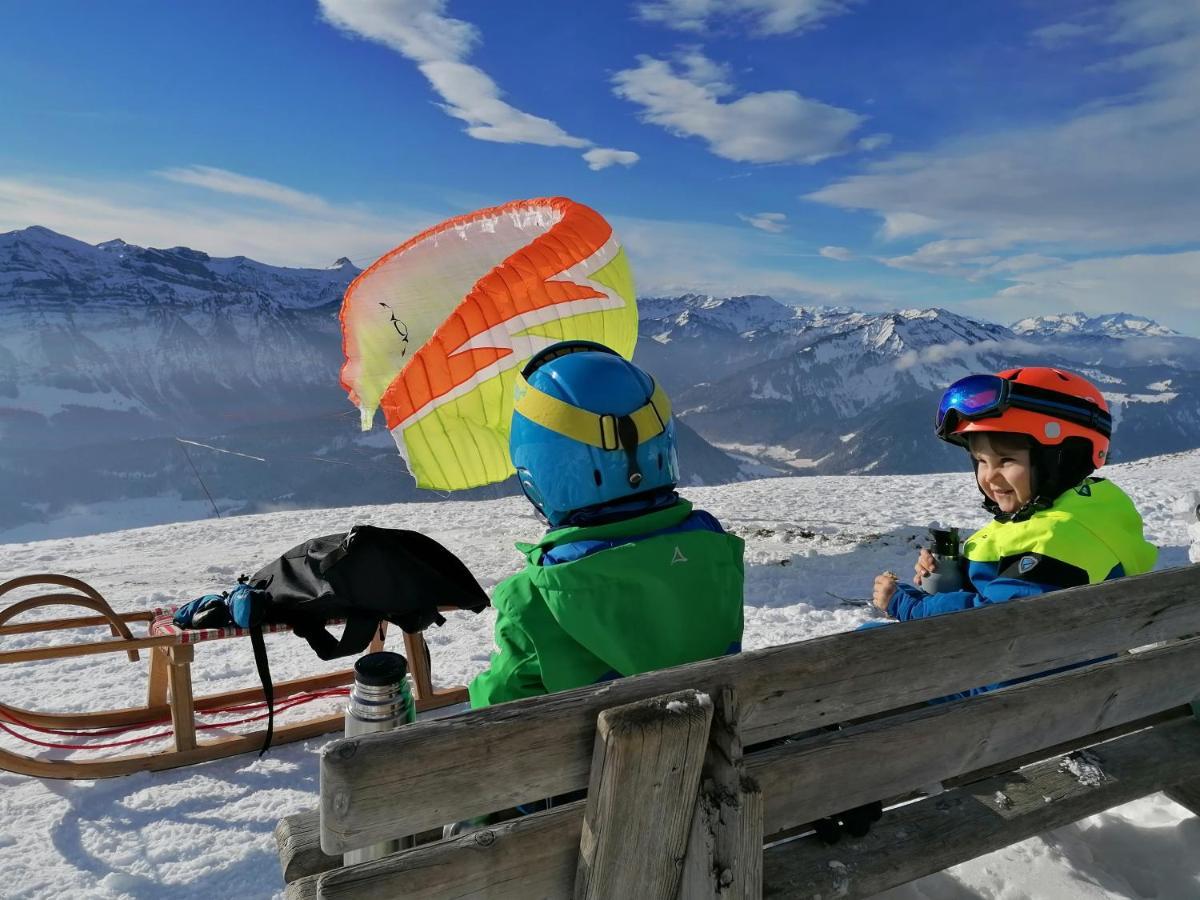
x=207, y=830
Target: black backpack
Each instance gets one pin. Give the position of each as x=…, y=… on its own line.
x=365, y=576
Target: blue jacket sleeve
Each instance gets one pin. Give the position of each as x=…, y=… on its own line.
x=911, y=602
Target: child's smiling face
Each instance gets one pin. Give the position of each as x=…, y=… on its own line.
x=1003, y=470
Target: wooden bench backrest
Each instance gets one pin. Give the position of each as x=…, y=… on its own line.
x=382, y=786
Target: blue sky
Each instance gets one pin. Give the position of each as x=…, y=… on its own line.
x=997, y=158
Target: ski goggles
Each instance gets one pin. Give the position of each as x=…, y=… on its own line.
x=987, y=396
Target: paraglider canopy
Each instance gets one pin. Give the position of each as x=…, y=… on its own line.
x=435, y=332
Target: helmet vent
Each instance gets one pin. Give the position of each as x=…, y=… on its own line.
x=660, y=462
x=596, y=476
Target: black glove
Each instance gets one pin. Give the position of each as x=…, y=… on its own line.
x=854, y=822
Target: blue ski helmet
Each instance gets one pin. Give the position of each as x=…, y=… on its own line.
x=588, y=428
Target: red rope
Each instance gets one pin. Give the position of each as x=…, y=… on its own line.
x=291, y=702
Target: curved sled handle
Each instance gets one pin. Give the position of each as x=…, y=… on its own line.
x=91, y=599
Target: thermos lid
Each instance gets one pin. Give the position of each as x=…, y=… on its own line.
x=945, y=542
x=380, y=669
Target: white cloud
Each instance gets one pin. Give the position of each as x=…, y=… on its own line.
x=841, y=254
x=1164, y=286
x=766, y=127
x=474, y=98
x=417, y=29
x=874, y=142
x=1114, y=179
x=954, y=255
x=147, y=214
x=226, y=182
x=420, y=31
x=1114, y=175
x=603, y=157
x=771, y=222
x=671, y=257
x=970, y=258
x=1060, y=33
x=764, y=16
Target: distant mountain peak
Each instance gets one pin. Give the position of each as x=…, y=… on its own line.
x=343, y=262
x=1118, y=325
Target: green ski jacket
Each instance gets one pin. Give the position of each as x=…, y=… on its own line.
x=656, y=590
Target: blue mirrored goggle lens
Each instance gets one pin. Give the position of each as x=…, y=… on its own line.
x=972, y=396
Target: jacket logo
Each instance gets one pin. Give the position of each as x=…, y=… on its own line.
x=1026, y=563
x=678, y=557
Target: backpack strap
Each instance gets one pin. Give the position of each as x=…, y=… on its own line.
x=264, y=675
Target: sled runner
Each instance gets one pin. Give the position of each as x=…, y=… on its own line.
x=169, y=697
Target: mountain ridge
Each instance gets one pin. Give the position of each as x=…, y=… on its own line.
x=108, y=352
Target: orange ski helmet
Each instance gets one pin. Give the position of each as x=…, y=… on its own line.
x=1048, y=405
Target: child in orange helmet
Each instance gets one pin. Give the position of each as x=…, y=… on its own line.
x=1035, y=436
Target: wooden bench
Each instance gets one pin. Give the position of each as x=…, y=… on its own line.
x=169, y=691
x=702, y=780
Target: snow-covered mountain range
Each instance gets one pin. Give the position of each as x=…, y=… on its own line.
x=840, y=391
x=110, y=352
x=1120, y=325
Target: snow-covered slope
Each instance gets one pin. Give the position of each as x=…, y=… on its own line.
x=205, y=831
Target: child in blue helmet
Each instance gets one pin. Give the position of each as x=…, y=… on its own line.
x=629, y=578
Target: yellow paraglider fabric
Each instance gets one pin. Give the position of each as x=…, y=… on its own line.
x=435, y=332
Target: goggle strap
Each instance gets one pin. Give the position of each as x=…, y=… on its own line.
x=587, y=427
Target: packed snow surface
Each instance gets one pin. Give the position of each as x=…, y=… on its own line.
x=205, y=831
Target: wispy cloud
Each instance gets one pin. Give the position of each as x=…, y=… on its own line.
x=1119, y=174
x=420, y=31
x=1109, y=284
x=1061, y=33
x=874, y=142
x=693, y=97
x=765, y=17
x=771, y=222
x=672, y=257
x=226, y=182
x=143, y=212
x=841, y=254
x=1110, y=180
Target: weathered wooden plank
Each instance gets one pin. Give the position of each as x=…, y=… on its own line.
x=535, y=856
x=816, y=776
x=527, y=858
x=298, y=843
x=724, y=853
x=645, y=772
x=1187, y=795
x=931, y=835
x=381, y=786
x=303, y=889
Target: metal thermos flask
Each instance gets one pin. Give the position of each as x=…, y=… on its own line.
x=949, y=574
x=380, y=700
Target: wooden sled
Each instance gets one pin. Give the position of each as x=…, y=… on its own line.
x=169, y=697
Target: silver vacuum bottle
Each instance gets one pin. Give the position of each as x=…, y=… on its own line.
x=380, y=700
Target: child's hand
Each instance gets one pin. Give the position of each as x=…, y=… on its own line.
x=885, y=586
x=926, y=565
